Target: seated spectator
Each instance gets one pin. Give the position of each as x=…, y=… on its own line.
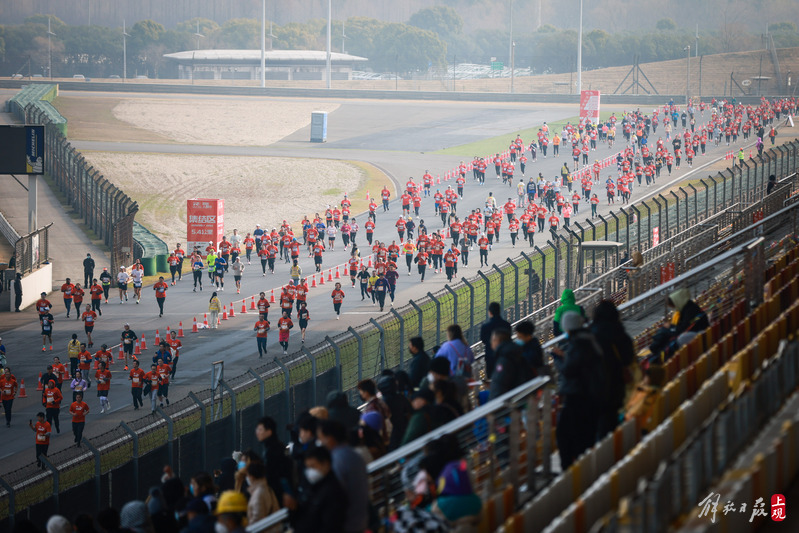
x=567, y=303
x=687, y=321
x=368, y=392
x=162, y=517
x=399, y=407
x=510, y=368
x=456, y=501
x=457, y=352
x=243, y=460
x=339, y=410
x=262, y=501
x=420, y=362
x=306, y=439
x=421, y=422
x=350, y=470
x=643, y=402
x=366, y=441
x=531, y=348
x=325, y=508
x=225, y=477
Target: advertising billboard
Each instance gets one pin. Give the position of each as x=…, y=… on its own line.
x=589, y=105
x=205, y=221
x=21, y=149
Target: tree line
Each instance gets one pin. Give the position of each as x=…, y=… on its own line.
x=429, y=41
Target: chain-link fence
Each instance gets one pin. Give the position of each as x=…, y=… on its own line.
x=125, y=461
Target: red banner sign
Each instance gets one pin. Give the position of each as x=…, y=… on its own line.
x=589, y=105
x=205, y=221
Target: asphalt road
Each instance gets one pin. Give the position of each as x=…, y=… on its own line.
x=234, y=341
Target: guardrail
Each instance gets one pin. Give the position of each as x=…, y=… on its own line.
x=286, y=389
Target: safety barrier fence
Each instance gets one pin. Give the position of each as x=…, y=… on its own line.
x=33, y=249
x=284, y=389
x=702, y=437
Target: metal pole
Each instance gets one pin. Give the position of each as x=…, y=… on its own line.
x=329, y=31
x=360, y=351
x=580, y=52
x=56, y=480
x=202, y=425
x=263, y=46
x=12, y=507
x=454, y=303
x=98, y=472
x=501, y=287
x=688, y=74
x=419, y=321
x=401, y=336
x=171, y=431
x=515, y=289
x=382, y=343
x=512, y=64
x=337, y=351
x=125, y=53
x=287, y=385
x=438, y=317
x=135, y=437
x=471, y=310
x=310, y=356
x=261, y=391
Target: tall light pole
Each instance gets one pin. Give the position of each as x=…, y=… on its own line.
x=263, y=44
x=510, y=41
x=512, y=64
x=580, y=52
x=687, y=74
x=329, y=31
x=125, y=52
x=49, y=50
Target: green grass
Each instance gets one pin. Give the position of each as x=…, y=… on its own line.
x=499, y=143
x=332, y=192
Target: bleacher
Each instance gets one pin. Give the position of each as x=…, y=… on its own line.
x=739, y=371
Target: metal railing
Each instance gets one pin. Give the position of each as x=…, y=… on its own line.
x=33, y=250
x=286, y=389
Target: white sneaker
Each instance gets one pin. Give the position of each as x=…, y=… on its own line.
x=338, y=317
x=102, y=410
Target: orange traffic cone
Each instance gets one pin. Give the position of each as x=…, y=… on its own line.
x=322, y=278
x=370, y=262
x=22, y=393
x=224, y=312
x=244, y=306
x=39, y=386
x=194, y=328
x=438, y=179
x=167, y=332
x=205, y=320
x=143, y=343
x=180, y=330
x=232, y=314
x=338, y=274
x=313, y=281
x=121, y=353
x=137, y=349
x=252, y=304
x=367, y=197
x=272, y=297
x=157, y=338
x=750, y=154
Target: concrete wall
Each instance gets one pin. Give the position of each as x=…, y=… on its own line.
x=33, y=285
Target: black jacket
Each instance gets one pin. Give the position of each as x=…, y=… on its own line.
x=533, y=354
x=324, y=510
x=278, y=465
x=88, y=264
x=339, y=410
x=510, y=370
x=617, y=353
x=692, y=318
x=399, y=407
x=580, y=371
x=492, y=324
x=420, y=366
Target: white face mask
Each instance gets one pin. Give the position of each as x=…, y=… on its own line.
x=430, y=377
x=219, y=528
x=313, y=475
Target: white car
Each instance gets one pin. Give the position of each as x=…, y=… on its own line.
x=78, y=77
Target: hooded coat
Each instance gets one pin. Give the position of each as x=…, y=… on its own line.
x=567, y=303
x=691, y=317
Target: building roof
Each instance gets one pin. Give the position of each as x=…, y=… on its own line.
x=255, y=56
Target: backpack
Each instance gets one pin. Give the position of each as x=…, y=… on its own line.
x=464, y=368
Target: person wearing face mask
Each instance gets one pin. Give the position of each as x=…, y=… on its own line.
x=231, y=513
x=202, y=486
x=325, y=508
x=350, y=471
x=306, y=439
x=510, y=368
x=262, y=501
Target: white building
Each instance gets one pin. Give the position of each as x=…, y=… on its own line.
x=246, y=64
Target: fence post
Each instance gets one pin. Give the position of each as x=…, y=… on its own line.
x=419, y=312
x=557, y=266
x=454, y=302
x=605, y=223
x=135, y=437
x=313, y=372
x=529, y=272
x=401, y=336
x=56, y=481
x=677, y=213
x=582, y=231
x=501, y=286
x=202, y=407
x=12, y=507
x=715, y=194
x=337, y=351
x=543, y=277
x=98, y=472
x=638, y=231
x=488, y=287
x=261, y=389
x=686, y=206
x=438, y=317
x=696, y=204
x=382, y=343
x=471, y=310
x=707, y=198
x=170, y=425
x=287, y=385
x=666, y=209
x=515, y=289
x=360, y=350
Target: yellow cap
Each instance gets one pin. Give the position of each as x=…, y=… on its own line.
x=231, y=501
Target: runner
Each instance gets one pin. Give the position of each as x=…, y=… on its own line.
x=8, y=391
x=46, y=321
x=122, y=283
x=303, y=316
x=261, y=328
x=42, y=431
x=51, y=400
x=338, y=298
x=164, y=370
x=85, y=362
x=220, y=267
x=66, y=291
x=78, y=409
x=160, y=289
x=197, y=266
x=284, y=324
x=238, y=269
x=263, y=306
x=96, y=292
x=128, y=339
x=381, y=288
x=77, y=299
x=105, y=280
x=180, y=254
x=152, y=383
x=60, y=372
x=103, y=377
x=175, y=346
x=89, y=318
x=137, y=378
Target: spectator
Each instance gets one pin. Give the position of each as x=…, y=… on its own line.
x=202, y=486
x=399, y=407
x=58, y=524
x=772, y=184
x=617, y=353
x=367, y=440
x=421, y=422
x=447, y=407
x=350, y=470
x=439, y=371
x=278, y=464
x=420, y=362
x=262, y=498
x=510, y=368
x=687, y=321
x=162, y=517
x=456, y=500
x=495, y=321
x=225, y=477
x=414, y=516
x=319, y=412
x=457, y=352
x=306, y=439
x=581, y=385
x=198, y=518
x=84, y=523
x=404, y=386
x=567, y=303
x=531, y=348
x=231, y=512
x=368, y=393
x=134, y=517
x=339, y=410
x=326, y=506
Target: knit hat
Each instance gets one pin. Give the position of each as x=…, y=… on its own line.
x=134, y=516
x=58, y=524
x=373, y=419
x=454, y=480
x=571, y=321
x=440, y=365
